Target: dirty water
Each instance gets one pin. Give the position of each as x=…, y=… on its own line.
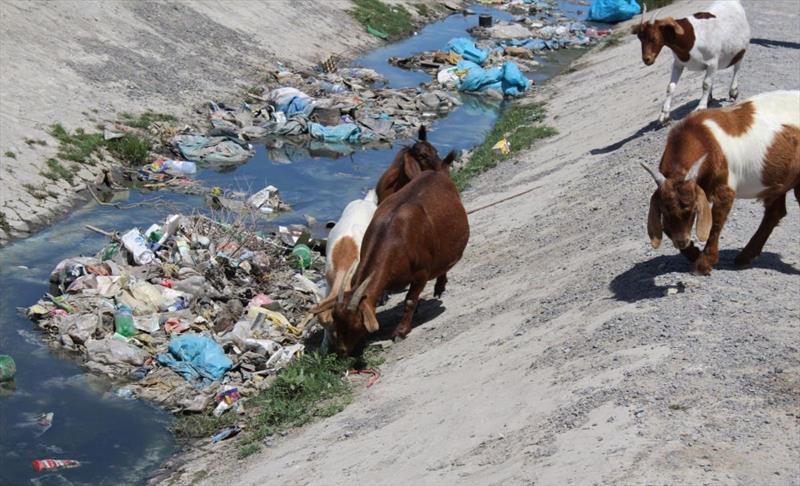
x=121, y=441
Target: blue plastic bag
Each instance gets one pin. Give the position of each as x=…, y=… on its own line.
x=612, y=11
x=196, y=358
x=467, y=49
x=507, y=79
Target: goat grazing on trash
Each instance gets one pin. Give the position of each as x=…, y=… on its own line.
x=408, y=163
x=706, y=41
x=748, y=150
x=343, y=249
x=415, y=236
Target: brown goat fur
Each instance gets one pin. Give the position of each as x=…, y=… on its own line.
x=415, y=236
x=408, y=163
x=678, y=35
x=694, y=175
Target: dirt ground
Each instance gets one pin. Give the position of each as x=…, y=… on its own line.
x=566, y=350
x=80, y=62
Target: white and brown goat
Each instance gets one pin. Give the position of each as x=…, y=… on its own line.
x=706, y=41
x=748, y=150
x=343, y=249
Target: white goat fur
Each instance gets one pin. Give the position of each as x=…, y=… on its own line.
x=717, y=41
x=352, y=224
x=746, y=153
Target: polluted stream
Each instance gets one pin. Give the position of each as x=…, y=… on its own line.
x=122, y=441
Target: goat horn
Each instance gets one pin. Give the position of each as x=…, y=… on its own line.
x=655, y=14
x=644, y=12
x=345, y=281
x=657, y=176
x=358, y=294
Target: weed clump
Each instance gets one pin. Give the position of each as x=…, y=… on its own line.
x=130, y=149
x=520, y=125
x=393, y=20
x=57, y=171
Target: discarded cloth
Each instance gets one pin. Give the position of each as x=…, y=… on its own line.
x=467, y=49
x=290, y=101
x=213, y=150
x=346, y=132
x=196, y=357
x=612, y=11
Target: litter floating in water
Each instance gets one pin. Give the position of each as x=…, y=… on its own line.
x=40, y=465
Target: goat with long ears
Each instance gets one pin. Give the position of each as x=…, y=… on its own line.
x=705, y=41
x=416, y=235
x=750, y=151
x=409, y=163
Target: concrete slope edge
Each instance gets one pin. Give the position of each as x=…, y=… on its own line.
x=78, y=63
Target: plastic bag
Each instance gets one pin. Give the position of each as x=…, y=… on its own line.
x=468, y=50
x=196, y=357
x=612, y=11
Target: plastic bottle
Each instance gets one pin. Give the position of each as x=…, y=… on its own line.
x=8, y=368
x=185, y=251
x=303, y=255
x=109, y=251
x=180, y=166
x=134, y=243
x=123, y=321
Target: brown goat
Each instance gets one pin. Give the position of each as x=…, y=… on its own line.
x=750, y=150
x=417, y=235
x=410, y=162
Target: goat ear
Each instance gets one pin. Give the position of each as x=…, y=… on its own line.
x=450, y=158
x=704, y=218
x=325, y=305
x=411, y=166
x=423, y=134
x=654, y=229
x=368, y=314
x=675, y=26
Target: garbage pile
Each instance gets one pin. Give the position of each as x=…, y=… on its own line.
x=494, y=64
x=194, y=314
x=343, y=106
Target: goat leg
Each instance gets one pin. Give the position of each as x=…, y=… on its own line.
x=733, y=92
x=438, y=289
x=412, y=298
x=723, y=201
x=708, y=83
x=773, y=213
x=677, y=70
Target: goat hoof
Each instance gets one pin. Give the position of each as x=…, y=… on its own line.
x=664, y=118
x=733, y=94
x=743, y=260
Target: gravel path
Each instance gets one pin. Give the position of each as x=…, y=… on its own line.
x=566, y=351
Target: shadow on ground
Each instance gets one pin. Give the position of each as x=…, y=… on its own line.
x=390, y=318
x=676, y=114
x=775, y=43
x=639, y=283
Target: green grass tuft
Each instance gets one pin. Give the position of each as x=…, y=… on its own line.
x=10, y=154
x=57, y=171
x=78, y=146
x=196, y=426
x=144, y=120
x=393, y=20
x=613, y=39
x=520, y=125
x=311, y=386
x=130, y=149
